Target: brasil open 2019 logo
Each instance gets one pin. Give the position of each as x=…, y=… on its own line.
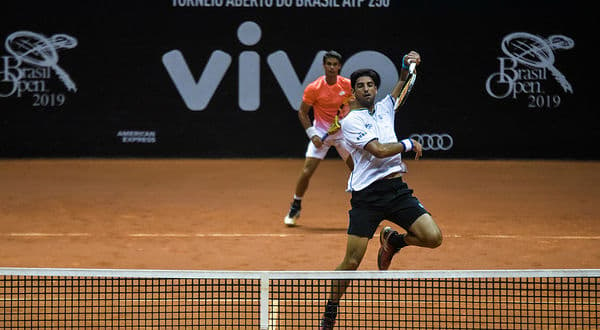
x=528, y=70
x=32, y=64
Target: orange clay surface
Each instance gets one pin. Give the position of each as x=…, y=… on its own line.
x=227, y=214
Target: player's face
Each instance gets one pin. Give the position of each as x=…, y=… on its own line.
x=332, y=66
x=365, y=91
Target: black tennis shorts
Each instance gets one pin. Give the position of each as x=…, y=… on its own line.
x=386, y=199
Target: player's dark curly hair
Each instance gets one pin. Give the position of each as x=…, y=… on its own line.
x=362, y=73
x=332, y=54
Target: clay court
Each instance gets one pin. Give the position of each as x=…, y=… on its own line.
x=226, y=214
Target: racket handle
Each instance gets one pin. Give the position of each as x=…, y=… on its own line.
x=324, y=137
x=412, y=67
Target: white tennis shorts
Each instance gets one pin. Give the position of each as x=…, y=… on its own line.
x=336, y=140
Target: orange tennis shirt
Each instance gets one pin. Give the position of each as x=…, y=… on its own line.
x=326, y=100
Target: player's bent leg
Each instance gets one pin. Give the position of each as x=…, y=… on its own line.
x=424, y=232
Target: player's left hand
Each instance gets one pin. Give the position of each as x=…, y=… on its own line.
x=411, y=57
x=417, y=148
x=317, y=141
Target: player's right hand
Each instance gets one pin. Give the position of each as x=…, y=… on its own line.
x=317, y=141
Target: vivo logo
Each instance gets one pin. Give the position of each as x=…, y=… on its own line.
x=197, y=93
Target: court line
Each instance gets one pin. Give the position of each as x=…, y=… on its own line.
x=231, y=235
x=286, y=235
x=47, y=234
x=562, y=237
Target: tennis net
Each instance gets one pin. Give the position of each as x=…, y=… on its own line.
x=152, y=299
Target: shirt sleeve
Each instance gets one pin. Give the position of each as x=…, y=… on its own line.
x=345, y=109
x=358, y=132
x=310, y=95
x=347, y=86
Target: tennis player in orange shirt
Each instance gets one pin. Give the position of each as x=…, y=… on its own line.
x=328, y=97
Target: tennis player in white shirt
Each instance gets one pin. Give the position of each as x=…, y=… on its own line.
x=378, y=191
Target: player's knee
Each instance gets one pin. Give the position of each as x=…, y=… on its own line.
x=436, y=242
x=430, y=238
x=427, y=232
x=306, y=173
x=434, y=239
x=308, y=170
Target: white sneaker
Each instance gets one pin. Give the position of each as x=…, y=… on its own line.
x=290, y=218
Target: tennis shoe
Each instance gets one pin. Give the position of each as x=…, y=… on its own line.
x=328, y=320
x=386, y=250
x=290, y=218
x=326, y=323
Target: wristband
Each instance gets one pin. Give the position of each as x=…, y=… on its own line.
x=311, y=131
x=408, y=145
x=404, y=66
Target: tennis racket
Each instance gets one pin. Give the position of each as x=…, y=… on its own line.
x=408, y=85
x=335, y=125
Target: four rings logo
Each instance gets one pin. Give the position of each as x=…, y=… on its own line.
x=29, y=67
x=524, y=70
x=434, y=141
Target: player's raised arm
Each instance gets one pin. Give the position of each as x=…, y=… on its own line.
x=411, y=57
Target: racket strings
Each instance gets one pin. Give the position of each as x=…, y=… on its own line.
x=406, y=88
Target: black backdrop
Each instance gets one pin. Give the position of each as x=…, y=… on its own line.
x=126, y=104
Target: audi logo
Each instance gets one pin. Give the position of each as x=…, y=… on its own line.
x=434, y=141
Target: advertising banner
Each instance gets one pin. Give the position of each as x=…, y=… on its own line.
x=217, y=78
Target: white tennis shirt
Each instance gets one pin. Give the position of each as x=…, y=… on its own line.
x=360, y=127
